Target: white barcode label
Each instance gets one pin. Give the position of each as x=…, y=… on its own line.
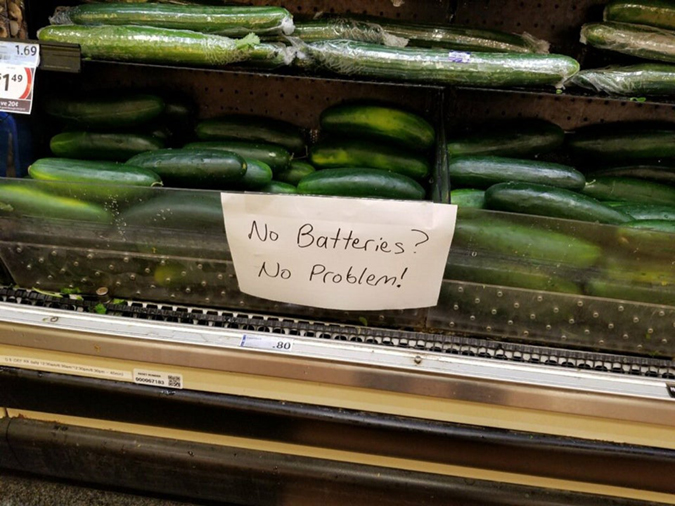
x=23, y=54
x=271, y=342
x=459, y=57
x=158, y=378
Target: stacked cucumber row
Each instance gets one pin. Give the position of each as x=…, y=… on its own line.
x=617, y=174
x=209, y=35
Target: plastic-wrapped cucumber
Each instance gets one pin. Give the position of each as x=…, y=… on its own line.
x=641, y=79
x=348, y=29
x=150, y=44
x=221, y=20
x=270, y=55
x=438, y=66
x=657, y=13
x=634, y=40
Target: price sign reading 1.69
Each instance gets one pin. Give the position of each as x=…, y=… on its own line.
x=26, y=50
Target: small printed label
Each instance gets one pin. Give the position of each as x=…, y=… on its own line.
x=459, y=57
x=671, y=389
x=158, y=379
x=16, y=88
x=24, y=54
x=272, y=343
x=63, y=367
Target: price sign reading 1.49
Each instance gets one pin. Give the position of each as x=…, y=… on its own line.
x=18, y=62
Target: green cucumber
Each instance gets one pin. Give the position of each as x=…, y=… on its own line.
x=545, y=200
x=648, y=241
x=146, y=44
x=630, y=190
x=102, y=146
x=437, y=66
x=406, y=129
x=483, y=231
x=278, y=187
x=277, y=157
x=361, y=182
x=295, y=172
x=658, y=13
x=644, y=79
x=468, y=197
x=667, y=226
x=635, y=40
x=106, y=111
x=646, y=211
x=485, y=171
x=341, y=153
x=258, y=175
x=631, y=291
x=623, y=142
x=656, y=173
x=193, y=168
x=270, y=55
x=494, y=270
x=92, y=179
x=233, y=21
x=347, y=29
x=250, y=128
x=520, y=139
x=30, y=200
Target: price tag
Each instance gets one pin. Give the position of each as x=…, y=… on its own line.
x=273, y=343
x=18, y=61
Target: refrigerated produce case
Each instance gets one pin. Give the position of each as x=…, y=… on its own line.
x=498, y=395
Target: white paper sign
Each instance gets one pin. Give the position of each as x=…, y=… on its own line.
x=18, y=61
x=339, y=253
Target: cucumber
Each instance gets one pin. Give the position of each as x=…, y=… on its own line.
x=635, y=40
x=146, y=44
x=494, y=270
x=193, y=168
x=656, y=173
x=221, y=20
x=295, y=172
x=361, y=182
x=667, y=226
x=341, y=153
x=545, y=200
x=277, y=157
x=644, y=79
x=524, y=138
x=278, y=187
x=437, y=66
x=485, y=171
x=30, y=200
x=93, y=179
x=102, y=146
x=258, y=175
x=658, y=13
x=270, y=55
x=106, y=111
x=646, y=211
x=647, y=241
x=623, y=142
x=482, y=231
x=631, y=291
x=381, y=123
x=347, y=29
x=468, y=197
x=250, y=128
x=630, y=190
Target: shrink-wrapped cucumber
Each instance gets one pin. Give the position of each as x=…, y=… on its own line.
x=634, y=80
x=634, y=40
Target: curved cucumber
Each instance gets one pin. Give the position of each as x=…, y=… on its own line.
x=277, y=157
x=278, y=187
x=437, y=66
x=193, y=168
x=622, y=142
x=360, y=182
x=380, y=123
x=95, y=176
x=105, y=110
x=251, y=128
x=102, y=146
x=258, y=175
x=630, y=190
x=655, y=173
x=643, y=79
x=293, y=174
x=646, y=211
x=634, y=40
x=544, y=200
x=340, y=153
x=30, y=200
x=468, y=197
x=232, y=21
x=484, y=171
x=667, y=226
x=657, y=13
x=523, y=138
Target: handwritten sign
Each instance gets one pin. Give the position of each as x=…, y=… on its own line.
x=339, y=253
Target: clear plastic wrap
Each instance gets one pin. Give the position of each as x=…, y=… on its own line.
x=231, y=21
x=635, y=80
x=348, y=29
x=151, y=45
x=270, y=55
x=634, y=40
x=658, y=13
x=440, y=66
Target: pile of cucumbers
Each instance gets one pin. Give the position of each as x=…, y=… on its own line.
x=618, y=174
